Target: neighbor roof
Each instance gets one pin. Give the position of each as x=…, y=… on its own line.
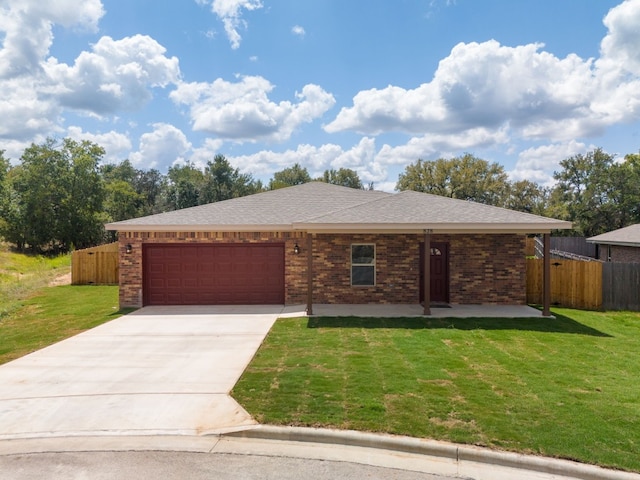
x=322, y=207
x=627, y=236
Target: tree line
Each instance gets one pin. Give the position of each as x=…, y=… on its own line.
x=60, y=194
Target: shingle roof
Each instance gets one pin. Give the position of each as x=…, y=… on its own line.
x=318, y=206
x=627, y=236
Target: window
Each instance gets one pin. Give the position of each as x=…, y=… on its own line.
x=363, y=264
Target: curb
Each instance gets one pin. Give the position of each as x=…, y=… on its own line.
x=460, y=454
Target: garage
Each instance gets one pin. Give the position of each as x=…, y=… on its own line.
x=219, y=274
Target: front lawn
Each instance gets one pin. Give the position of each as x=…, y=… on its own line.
x=53, y=314
x=568, y=387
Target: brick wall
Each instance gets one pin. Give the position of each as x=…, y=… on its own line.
x=486, y=269
x=624, y=254
x=483, y=268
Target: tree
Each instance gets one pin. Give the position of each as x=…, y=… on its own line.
x=289, y=177
x=56, y=197
x=465, y=178
x=344, y=177
x=527, y=196
x=593, y=190
x=222, y=181
x=184, y=186
x=131, y=192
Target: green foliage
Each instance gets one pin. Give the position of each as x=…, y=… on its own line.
x=563, y=387
x=596, y=193
x=466, y=178
x=344, y=177
x=289, y=177
x=55, y=197
x=223, y=182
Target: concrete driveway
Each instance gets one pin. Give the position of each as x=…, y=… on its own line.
x=159, y=370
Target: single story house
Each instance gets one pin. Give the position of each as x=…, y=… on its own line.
x=327, y=244
x=622, y=245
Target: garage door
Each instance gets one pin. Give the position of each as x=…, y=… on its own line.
x=229, y=274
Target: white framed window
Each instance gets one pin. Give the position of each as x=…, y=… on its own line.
x=363, y=264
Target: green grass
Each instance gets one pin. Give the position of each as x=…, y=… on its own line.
x=22, y=275
x=567, y=388
x=54, y=314
x=34, y=315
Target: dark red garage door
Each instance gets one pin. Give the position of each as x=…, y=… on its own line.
x=228, y=274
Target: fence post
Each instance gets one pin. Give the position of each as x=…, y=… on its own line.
x=546, y=282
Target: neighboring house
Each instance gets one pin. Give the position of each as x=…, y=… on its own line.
x=322, y=243
x=622, y=245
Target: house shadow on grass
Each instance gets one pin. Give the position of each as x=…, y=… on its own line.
x=559, y=324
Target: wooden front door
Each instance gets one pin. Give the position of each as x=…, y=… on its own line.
x=439, y=273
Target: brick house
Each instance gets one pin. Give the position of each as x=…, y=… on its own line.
x=622, y=245
x=322, y=243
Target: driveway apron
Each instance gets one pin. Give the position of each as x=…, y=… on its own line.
x=159, y=370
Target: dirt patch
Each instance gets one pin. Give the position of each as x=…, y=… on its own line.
x=61, y=280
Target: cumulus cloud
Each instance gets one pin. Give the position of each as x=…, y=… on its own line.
x=115, y=75
x=116, y=145
x=524, y=89
x=479, y=85
x=162, y=147
x=27, y=29
x=242, y=111
x=361, y=158
x=538, y=163
x=230, y=13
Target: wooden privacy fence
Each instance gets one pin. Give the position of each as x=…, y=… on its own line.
x=95, y=266
x=621, y=286
x=574, y=283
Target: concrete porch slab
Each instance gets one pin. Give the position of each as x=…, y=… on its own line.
x=415, y=310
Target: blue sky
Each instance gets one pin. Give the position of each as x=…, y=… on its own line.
x=369, y=85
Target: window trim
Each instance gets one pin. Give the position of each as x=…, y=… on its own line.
x=372, y=265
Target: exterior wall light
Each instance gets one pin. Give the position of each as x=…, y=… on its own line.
x=129, y=248
x=296, y=248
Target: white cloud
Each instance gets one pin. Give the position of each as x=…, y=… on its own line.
x=538, y=163
x=298, y=31
x=441, y=145
x=116, y=145
x=242, y=111
x=524, y=89
x=361, y=158
x=115, y=75
x=27, y=28
x=480, y=85
x=230, y=13
x=161, y=148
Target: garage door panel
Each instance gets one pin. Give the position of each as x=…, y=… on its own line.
x=213, y=274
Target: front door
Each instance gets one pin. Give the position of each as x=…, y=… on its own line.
x=439, y=273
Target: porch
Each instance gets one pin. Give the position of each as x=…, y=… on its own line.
x=414, y=310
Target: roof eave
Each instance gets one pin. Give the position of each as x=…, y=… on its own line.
x=456, y=228
x=613, y=242
x=197, y=228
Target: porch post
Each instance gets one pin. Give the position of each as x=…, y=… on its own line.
x=309, y=274
x=546, y=281
x=427, y=272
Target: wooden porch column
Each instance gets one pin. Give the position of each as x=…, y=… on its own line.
x=546, y=277
x=427, y=272
x=309, y=274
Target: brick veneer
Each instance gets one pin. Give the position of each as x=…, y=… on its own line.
x=622, y=254
x=483, y=268
x=487, y=269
